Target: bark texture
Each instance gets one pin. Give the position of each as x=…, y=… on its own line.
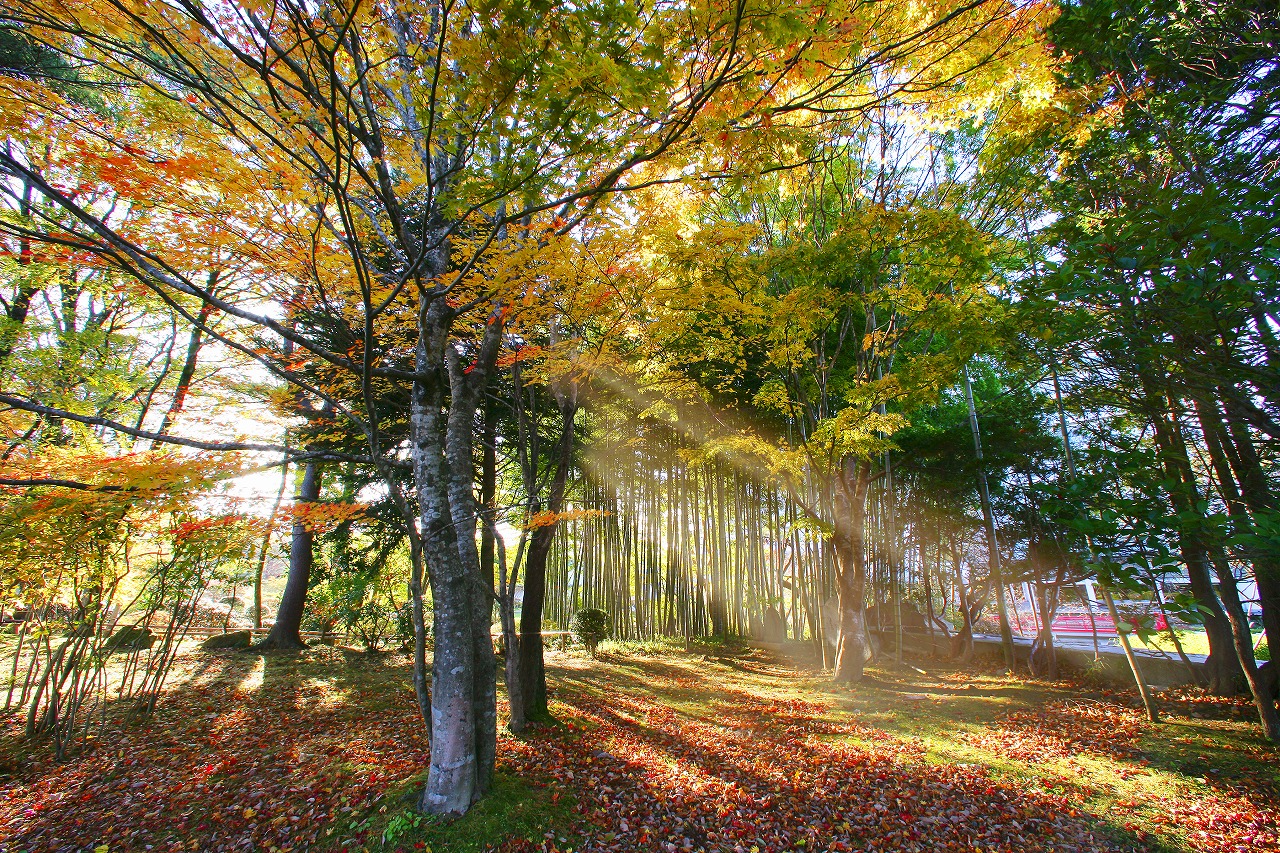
x=533, y=676
x=463, y=674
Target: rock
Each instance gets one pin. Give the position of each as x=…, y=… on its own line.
x=129, y=638
x=232, y=640
x=775, y=629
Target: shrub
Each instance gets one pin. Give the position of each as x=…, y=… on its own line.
x=590, y=626
x=324, y=608
x=404, y=627
x=362, y=606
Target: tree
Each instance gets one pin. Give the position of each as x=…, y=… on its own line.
x=109, y=546
x=544, y=494
x=830, y=334
x=370, y=158
x=1177, y=102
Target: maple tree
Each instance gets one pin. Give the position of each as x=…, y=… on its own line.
x=97, y=563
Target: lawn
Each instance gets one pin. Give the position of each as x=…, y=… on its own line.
x=1194, y=641
x=658, y=749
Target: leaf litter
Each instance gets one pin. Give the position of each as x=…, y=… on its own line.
x=292, y=764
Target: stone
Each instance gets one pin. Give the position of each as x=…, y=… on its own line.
x=129, y=638
x=231, y=640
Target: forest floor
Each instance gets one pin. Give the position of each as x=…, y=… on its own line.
x=657, y=750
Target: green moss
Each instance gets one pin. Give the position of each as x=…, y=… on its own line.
x=513, y=809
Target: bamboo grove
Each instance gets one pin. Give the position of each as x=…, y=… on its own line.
x=676, y=547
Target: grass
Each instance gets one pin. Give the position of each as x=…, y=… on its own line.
x=1194, y=642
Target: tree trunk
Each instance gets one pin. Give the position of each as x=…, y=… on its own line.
x=467, y=382
x=849, y=543
x=1047, y=605
x=488, y=492
x=18, y=307
x=1262, y=502
x=266, y=541
x=1243, y=639
x=286, y=634
x=1222, y=664
x=188, y=371
x=529, y=651
x=1148, y=702
x=517, y=718
x=451, y=778
x=463, y=672
x=962, y=643
x=988, y=518
x=533, y=676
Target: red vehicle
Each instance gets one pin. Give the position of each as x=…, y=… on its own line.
x=1079, y=624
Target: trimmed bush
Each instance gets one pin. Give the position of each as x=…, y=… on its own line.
x=590, y=626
